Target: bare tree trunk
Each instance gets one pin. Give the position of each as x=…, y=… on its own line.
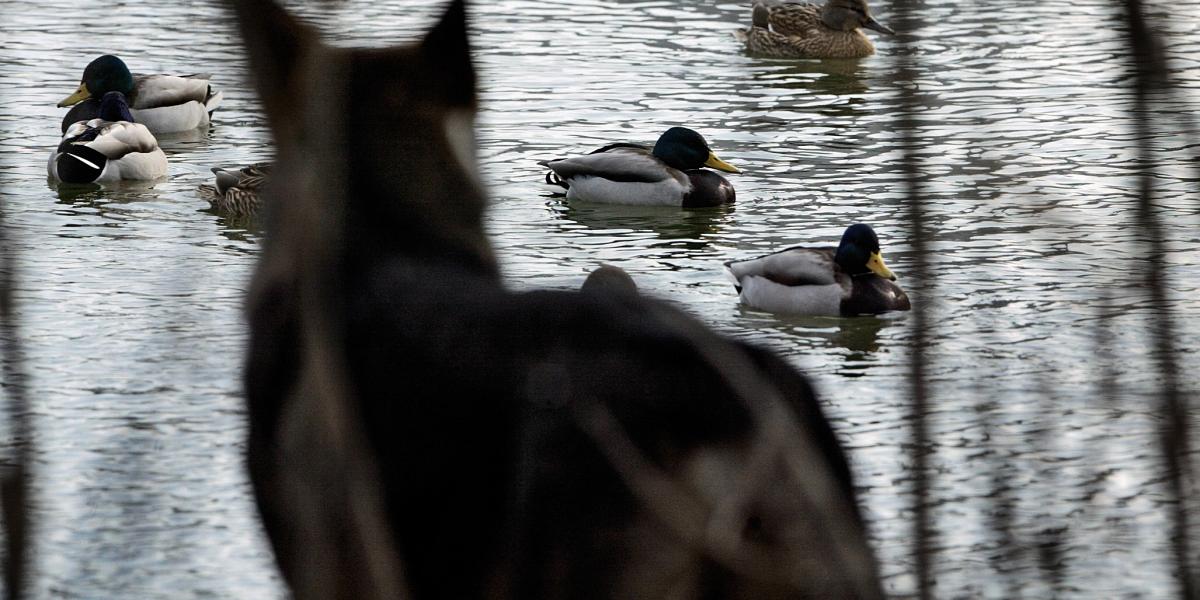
x=14, y=478
x=1151, y=83
x=922, y=286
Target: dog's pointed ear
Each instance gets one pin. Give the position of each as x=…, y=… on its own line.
x=275, y=43
x=447, y=51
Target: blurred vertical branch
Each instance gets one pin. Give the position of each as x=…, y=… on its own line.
x=14, y=492
x=907, y=124
x=1151, y=82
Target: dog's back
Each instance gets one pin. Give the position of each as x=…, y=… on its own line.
x=418, y=431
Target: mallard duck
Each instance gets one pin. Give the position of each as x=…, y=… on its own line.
x=237, y=193
x=109, y=148
x=802, y=30
x=848, y=280
x=670, y=174
x=163, y=103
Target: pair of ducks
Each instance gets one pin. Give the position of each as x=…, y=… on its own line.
x=108, y=135
x=849, y=280
x=103, y=141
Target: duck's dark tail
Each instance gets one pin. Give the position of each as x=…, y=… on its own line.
x=552, y=178
x=78, y=163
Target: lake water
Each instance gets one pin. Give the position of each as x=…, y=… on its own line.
x=1045, y=466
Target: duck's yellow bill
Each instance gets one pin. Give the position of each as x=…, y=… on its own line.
x=875, y=264
x=720, y=165
x=80, y=95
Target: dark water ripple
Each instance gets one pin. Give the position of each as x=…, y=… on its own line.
x=1045, y=467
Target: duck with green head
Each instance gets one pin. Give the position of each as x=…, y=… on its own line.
x=803, y=30
x=670, y=174
x=163, y=103
x=848, y=280
x=108, y=148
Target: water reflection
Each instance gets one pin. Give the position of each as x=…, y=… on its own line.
x=116, y=191
x=238, y=229
x=834, y=77
x=667, y=222
x=858, y=336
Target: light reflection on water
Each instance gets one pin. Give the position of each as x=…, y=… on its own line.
x=1045, y=465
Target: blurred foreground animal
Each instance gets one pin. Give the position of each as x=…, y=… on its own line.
x=803, y=30
x=110, y=147
x=848, y=280
x=237, y=193
x=670, y=174
x=607, y=279
x=163, y=103
x=418, y=431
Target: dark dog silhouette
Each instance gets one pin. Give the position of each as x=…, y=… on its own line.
x=417, y=431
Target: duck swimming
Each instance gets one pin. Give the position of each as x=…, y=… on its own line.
x=163, y=103
x=111, y=147
x=844, y=281
x=670, y=174
x=237, y=193
x=803, y=30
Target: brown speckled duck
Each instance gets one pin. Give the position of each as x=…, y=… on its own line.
x=237, y=193
x=802, y=30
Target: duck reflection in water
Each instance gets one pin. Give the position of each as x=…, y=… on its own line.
x=861, y=338
x=691, y=228
x=113, y=192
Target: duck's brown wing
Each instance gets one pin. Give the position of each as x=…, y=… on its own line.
x=794, y=18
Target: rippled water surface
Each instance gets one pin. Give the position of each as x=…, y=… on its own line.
x=1045, y=471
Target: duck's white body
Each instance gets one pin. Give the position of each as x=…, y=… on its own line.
x=168, y=104
x=796, y=281
x=811, y=300
x=105, y=151
x=598, y=189
x=174, y=119
x=623, y=175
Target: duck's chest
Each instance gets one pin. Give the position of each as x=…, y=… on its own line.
x=872, y=295
x=827, y=43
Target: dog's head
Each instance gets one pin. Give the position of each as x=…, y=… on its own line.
x=374, y=145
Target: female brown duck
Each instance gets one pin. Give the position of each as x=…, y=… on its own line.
x=802, y=30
